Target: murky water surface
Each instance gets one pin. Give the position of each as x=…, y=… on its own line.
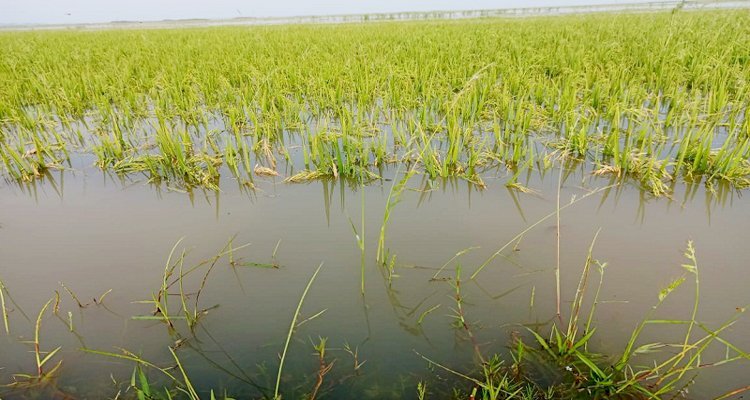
x=92, y=233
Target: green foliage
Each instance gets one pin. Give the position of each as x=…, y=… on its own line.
x=646, y=96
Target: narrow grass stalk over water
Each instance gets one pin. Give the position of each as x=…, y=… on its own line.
x=3, y=309
x=394, y=196
x=292, y=327
x=555, y=213
x=359, y=236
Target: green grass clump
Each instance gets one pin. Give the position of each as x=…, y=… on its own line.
x=563, y=365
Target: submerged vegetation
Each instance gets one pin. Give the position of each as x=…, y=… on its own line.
x=648, y=97
x=555, y=360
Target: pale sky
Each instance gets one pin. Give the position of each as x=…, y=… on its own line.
x=86, y=11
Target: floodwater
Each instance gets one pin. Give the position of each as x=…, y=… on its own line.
x=93, y=233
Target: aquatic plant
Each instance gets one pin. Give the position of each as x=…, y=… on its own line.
x=578, y=372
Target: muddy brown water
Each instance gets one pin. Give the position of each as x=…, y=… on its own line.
x=94, y=233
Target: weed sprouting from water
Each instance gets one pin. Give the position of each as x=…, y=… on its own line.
x=44, y=377
x=324, y=367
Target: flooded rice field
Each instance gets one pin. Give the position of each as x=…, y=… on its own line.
x=539, y=208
